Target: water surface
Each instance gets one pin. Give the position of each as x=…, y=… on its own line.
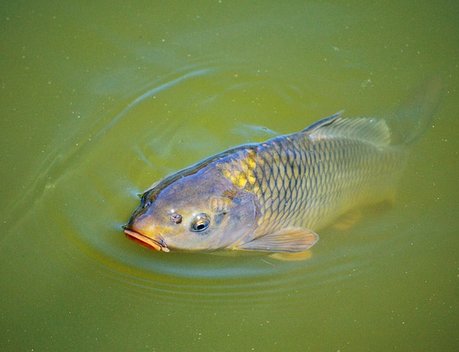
x=99, y=101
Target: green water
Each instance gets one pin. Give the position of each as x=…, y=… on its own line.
x=100, y=100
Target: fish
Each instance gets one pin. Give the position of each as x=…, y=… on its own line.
x=274, y=196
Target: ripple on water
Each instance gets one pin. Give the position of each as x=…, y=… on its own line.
x=156, y=132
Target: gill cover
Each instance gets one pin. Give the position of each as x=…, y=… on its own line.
x=213, y=213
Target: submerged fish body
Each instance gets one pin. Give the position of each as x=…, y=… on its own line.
x=273, y=196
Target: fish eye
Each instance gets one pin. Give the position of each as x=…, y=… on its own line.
x=200, y=223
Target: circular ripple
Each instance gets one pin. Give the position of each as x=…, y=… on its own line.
x=90, y=183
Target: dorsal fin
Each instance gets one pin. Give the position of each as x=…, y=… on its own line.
x=323, y=122
x=371, y=130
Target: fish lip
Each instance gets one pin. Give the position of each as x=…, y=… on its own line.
x=159, y=245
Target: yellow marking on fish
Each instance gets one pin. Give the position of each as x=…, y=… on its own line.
x=246, y=165
x=227, y=173
x=236, y=177
x=233, y=180
x=240, y=171
x=241, y=180
x=251, y=178
x=252, y=162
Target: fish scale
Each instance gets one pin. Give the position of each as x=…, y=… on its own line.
x=273, y=196
x=301, y=181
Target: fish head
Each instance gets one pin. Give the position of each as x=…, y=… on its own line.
x=201, y=211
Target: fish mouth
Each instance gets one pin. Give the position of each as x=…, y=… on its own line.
x=156, y=244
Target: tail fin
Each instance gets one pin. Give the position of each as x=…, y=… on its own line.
x=414, y=117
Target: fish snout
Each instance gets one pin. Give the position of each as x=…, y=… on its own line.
x=156, y=242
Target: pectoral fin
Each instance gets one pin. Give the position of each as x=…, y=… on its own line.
x=286, y=240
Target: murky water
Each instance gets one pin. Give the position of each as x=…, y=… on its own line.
x=99, y=101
